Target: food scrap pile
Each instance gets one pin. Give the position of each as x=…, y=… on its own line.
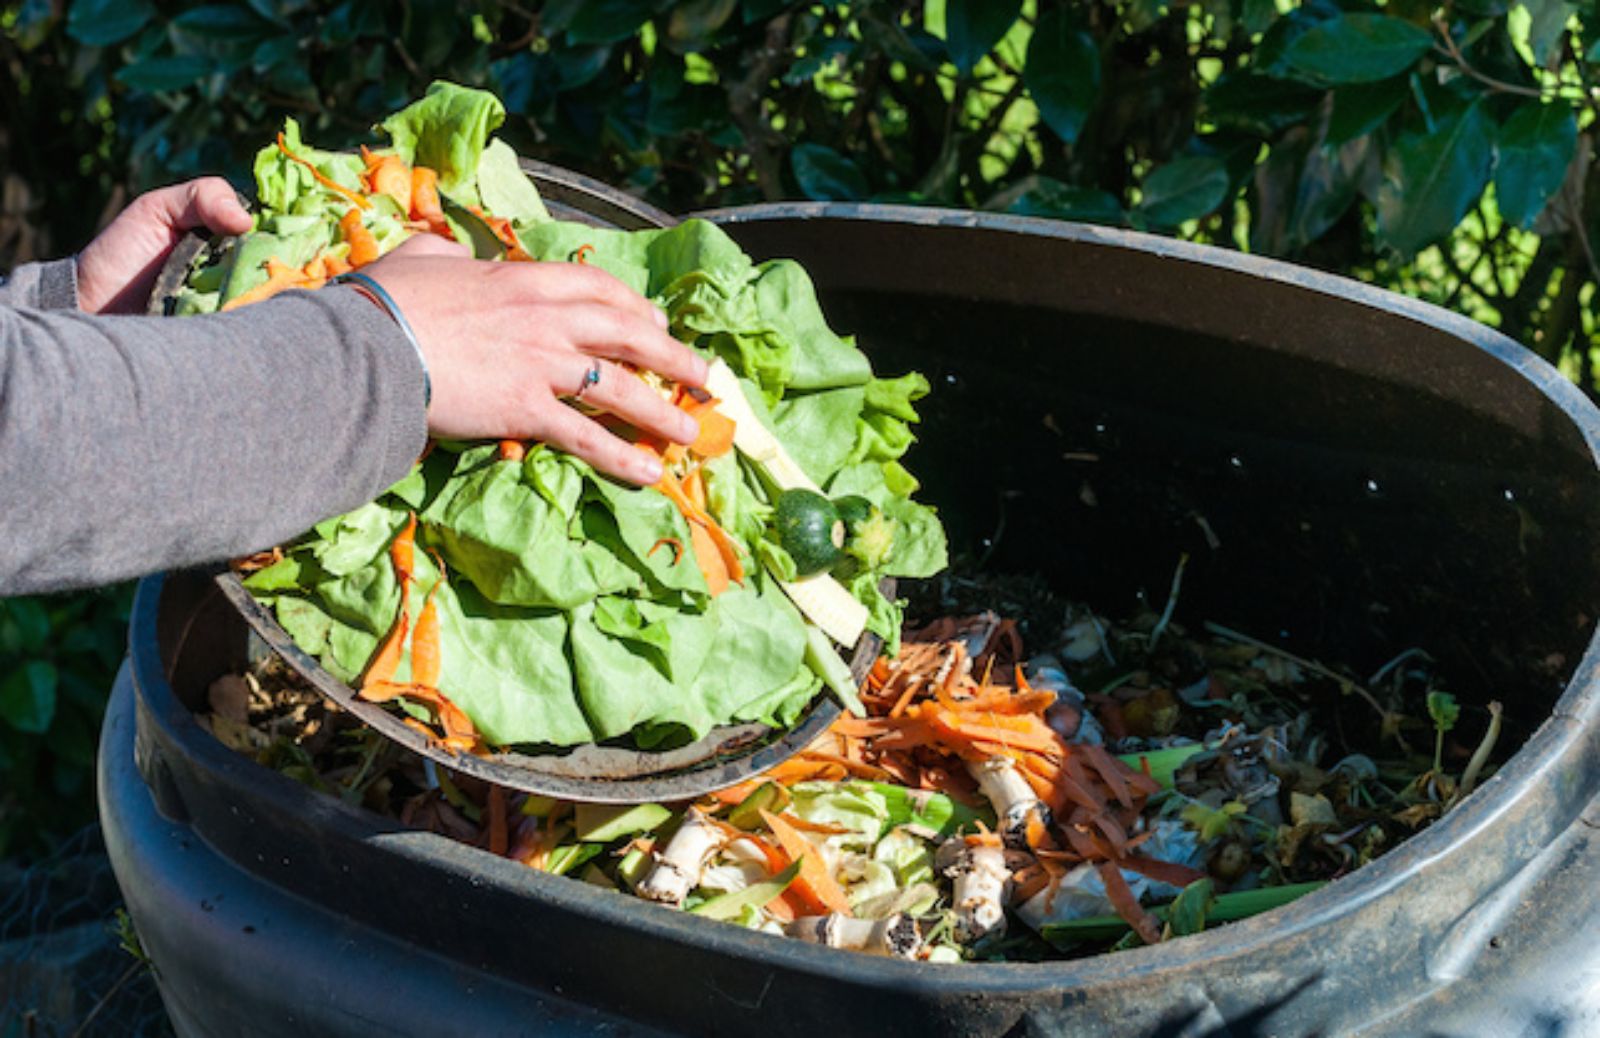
x=1129, y=785
x=508, y=595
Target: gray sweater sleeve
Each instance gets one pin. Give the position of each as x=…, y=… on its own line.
x=134, y=444
x=47, y=286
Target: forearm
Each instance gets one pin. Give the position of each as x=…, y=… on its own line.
x=130, y=445
x=43, y=286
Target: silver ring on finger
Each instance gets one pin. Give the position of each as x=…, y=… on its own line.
x=591, y=378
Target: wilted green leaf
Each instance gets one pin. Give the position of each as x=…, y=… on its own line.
x=28, y=697
x=1185, y=189
x=1357, y=48
x=100, y=23
x=1432, y=179
x=973, y=27
x=1187, y=915
x=1212, y=822
x=1062, y=73
x=162, y=74
x=1534, y=147
x=1444, y=710
x=825, y=175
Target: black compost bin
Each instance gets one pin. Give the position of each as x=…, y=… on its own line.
x=1349, y=471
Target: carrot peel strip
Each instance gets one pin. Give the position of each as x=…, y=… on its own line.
x=326, y=181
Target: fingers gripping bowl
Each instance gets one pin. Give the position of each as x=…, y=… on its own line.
x=506, y=594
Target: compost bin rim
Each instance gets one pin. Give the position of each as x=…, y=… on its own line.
x=1544, y=376
x=1515, y=784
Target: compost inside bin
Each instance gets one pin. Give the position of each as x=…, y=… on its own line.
x=1285, y=591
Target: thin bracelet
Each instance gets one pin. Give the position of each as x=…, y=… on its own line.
x=383, y=299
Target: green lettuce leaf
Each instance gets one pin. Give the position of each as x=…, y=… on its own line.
x=506, y=191
x=447, y=131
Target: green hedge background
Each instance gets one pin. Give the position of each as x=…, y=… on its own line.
x=1444, y=151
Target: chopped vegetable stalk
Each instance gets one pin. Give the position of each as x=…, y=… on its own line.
x=769, y=796
x=756, y=895
x=677, y=869
x=1015, y=803
x=982, y=884
x=834, y=672
x=898, y=936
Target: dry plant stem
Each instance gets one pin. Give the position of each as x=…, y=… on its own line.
x=897, y=936
x=1344, y=682
x=1480, y=756
x=1172, y=602
x=1454, y=53
x=982, y=881
x=678, y=869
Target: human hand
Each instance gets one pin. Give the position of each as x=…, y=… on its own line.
x=117, y=270
x=505, y=342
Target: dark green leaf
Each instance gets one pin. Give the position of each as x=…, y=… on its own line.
x=973, y=27
x=275, y=52
x=1360, y=108
x=1185, y=189
x=223, y=21
x=607, y=21
x=1269, y=58
x=351, y=21
x=1258, y=15
x=825, y=175
x=691, y=25
x=1547, y=24
x=28, y=697
x=1062, y=73
x=29, y=620
x=1592, y=56
x=577, y=67
x=1043, y=196
x=761, y=10
x=1432, y=178
x=272, y=11
x=1357, y=48
x=163, y=74
x=1534, y=147
x=100, y=23
x=1255, y=103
